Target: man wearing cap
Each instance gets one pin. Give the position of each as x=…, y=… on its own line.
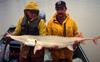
x=30, y=24
x=62, y=24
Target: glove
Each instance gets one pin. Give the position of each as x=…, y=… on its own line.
x=75, y=44
x=7, y=37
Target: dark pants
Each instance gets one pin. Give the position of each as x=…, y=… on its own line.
x=27, y=54
x=61, y=60
x=61, y=55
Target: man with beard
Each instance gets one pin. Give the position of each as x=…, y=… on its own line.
x=62, y=24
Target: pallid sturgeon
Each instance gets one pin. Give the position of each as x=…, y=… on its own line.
x=48, y=41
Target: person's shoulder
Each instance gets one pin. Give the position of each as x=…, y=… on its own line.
x=42, y=20
x=70, y=18
x=20, y=19
x=52, y=19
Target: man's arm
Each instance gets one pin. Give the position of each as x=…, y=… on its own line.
x=18, y=27
x=42, y=27
x=49, y=28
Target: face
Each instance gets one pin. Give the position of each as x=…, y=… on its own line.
x=61, y=10
x=31, y=14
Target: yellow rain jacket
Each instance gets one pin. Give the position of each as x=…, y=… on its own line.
x=41, y=27
x=42, y=31
x=55, y=28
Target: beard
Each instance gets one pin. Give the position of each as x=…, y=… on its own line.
x=60, y=17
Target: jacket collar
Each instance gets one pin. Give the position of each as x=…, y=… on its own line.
x=55, y=20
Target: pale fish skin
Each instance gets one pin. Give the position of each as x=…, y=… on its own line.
x=48, y=41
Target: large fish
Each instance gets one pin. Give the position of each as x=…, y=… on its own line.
x=48, y=41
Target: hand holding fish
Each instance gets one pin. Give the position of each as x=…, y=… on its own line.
x=95, y=39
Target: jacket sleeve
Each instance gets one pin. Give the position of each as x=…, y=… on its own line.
x=18, y=28
x=75, y=29
x=42, y=27
x=49, y=28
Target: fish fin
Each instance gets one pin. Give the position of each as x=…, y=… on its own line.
x=37, y=47
x=70, y=47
